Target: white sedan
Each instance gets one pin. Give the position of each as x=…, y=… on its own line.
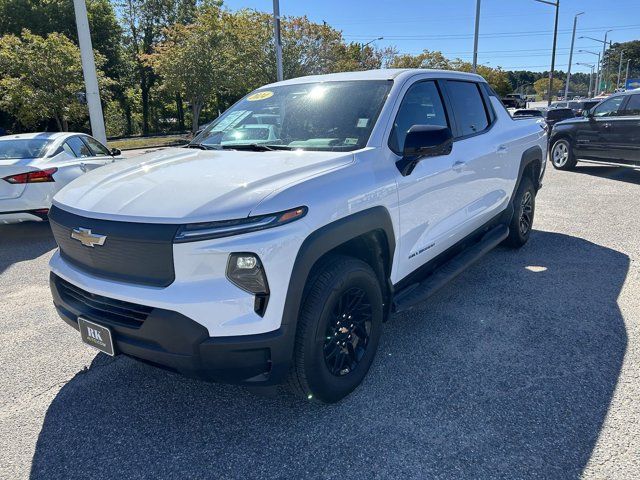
x=34, y=166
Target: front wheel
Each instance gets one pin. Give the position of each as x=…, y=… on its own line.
x=562, y=156
x=522, y=221
x=338, y=330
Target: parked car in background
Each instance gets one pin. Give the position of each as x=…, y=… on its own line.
x=555, y=115
x=529, y=112
x=34, y=166
x=514, y=100
x=277, y=259
x=607, y=133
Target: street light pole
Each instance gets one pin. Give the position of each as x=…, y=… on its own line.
x=601, y=72
x=276, y=38
x=620, y=69
x=590, y=76
x=573, y=38
x=553, y=51
x=626, y=75
x=89, y=72
x=475, y=37
x=371, y=41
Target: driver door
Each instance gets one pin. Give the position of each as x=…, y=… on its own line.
x=432, y=207
x=595, y=138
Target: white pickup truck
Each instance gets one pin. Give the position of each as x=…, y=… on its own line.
x=271, y=249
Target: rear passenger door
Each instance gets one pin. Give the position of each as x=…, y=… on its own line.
x=627, y=129
x=484, y=161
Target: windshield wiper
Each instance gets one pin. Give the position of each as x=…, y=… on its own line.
x=200, y=146
x=256, y=147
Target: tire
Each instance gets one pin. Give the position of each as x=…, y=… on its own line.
x=524, y=205
x=562, y=157
x=331, y=356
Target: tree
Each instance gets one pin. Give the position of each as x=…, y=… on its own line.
x=192, y=60
x=541, y=86
x=145, y=22
x=42, y=77
x=630, y=51
x=426, y=59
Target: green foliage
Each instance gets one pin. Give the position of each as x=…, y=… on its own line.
x=41, y=77
x=541, y=86
x=496, y=77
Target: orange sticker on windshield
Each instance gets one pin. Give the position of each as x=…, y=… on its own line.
x=260, y=96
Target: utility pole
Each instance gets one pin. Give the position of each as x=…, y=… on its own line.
x=573, y=38
x=475, y=37
x=276, y=38
x=626, y=75
x=553, y=51
x=604, y=65
x=597, y=66
x=620, y=69
x=89, y=72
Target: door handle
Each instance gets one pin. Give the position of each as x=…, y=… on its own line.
x=502, y=149
x=458, y=165
x=83, y=166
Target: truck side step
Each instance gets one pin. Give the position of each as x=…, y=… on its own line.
x=417, y=293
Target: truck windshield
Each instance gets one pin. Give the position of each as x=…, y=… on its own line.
x=311, y=116
x=23, y=148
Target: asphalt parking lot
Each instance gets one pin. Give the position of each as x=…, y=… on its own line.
x=527, y=366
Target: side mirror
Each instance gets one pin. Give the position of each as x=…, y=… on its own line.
x=586, y=113
x=424, y=141
x=115, y=152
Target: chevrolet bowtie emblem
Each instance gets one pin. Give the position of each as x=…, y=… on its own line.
x=88, y=239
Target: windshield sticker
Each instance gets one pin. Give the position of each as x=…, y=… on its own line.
x=350, y=141
x=362, y=123
x=260, y=96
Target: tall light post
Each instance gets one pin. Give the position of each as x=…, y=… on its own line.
x=619, y=69
x=475, y=37
x=591, y=66
x=573, y=38
x=276, y=38
x=602, y=73
x=626, y=75
x=556, y=4
x=89, y=72
x=597, y=68
x=371, y=41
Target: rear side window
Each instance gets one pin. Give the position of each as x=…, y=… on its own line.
x=632, y=107
x=78, y=147
x=421, y=105
x=468, y=107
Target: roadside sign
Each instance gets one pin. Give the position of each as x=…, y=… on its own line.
x=632, y=83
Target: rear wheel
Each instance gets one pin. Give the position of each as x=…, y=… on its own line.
x=562, y=156
x=522, y=221
x=338, y=330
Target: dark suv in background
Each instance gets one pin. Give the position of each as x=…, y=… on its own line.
x=608, y=133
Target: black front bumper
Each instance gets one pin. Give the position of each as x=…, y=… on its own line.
x=173, y=341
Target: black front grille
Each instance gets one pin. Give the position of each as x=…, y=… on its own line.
x=103, y=309
x=140, y=253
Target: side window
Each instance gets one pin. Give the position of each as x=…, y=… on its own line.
x=421, y=105
x=468, y=107
x=65, y=147
x=632, y=107
x=79, y=148
x=96, y=147
x=609, y=108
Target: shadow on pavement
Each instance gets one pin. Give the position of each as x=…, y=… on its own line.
x=506, y=373
x=621, y=174
x=24, y=241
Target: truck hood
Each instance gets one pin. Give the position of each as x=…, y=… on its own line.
x=181, y=185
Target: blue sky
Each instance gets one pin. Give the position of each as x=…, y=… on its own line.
x=514, y=34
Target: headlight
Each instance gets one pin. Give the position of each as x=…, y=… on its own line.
x=205, y=231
